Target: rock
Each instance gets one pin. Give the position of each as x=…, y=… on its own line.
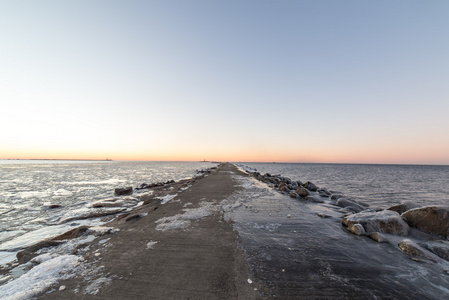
x=293, y=195
x=147, y=198
x=123, y=191
x=385, y=221
x=431, y=219
x=324, y=192
x=100, y=212
x=294, y=185
x=439, y=248
x=324, y=216
x=53, y=206
x=411, y=247
x=302, y=192
x=281, y=185
x=310, y=186
x=357, y=229
x=314, y=199
x=71, y=234
x=126, y=202
x=343, y=202
x=29, y=253
x=378, y=237
x=403, y=207
x=284, y=189
x=336, y=196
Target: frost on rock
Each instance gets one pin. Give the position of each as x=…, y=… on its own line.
x=41, y=277
x=180, y=221
x=385, y=221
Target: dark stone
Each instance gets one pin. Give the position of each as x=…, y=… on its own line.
x=53, y=206
x=28, y=253
x=302, y=192
x=123, y=191
x=310, y=186
x=71, y=234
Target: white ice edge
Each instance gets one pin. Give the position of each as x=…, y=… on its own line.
x=41, y=277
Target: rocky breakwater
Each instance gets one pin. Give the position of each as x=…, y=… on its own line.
x=426, y=228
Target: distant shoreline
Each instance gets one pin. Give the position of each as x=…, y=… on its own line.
x=65, y=159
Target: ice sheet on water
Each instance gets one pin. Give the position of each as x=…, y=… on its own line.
x=7, y=257
x=108, y=181
x=32, y=194
x=41, y=277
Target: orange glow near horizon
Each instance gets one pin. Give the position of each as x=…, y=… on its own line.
x=310, y=156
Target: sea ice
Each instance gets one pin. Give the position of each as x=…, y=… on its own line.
x=41, y=277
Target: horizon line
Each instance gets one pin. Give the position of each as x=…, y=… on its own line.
x=216, y=161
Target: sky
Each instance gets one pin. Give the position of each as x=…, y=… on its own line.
x=276, y=81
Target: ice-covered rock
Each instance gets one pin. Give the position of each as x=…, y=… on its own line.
x=357, y=229
x=378, y=237
x=413, y=248
x=314, y=199
x=336, y=196
x=343, y=202
x=439, y=248
x=403, y=206
x=431, y=219
x=385, y=221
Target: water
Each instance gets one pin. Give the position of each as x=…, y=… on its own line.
x=379, y=186
x=29, y=188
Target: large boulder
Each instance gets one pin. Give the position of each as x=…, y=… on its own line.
x=403, y=206
x=385, y=221
x=431, y=219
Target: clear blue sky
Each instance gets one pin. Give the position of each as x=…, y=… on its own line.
x=312, y=81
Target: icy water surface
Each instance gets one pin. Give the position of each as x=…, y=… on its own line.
x=380, y=186
x=29, y=190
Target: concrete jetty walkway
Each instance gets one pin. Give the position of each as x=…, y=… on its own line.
x=183, y=249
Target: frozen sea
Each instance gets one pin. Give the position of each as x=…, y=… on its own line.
x=29, y=188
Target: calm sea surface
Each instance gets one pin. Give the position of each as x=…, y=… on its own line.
x=378, y=185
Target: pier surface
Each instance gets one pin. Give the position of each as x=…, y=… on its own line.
x=228, y=236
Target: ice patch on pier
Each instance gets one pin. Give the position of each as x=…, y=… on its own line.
x=181, y=221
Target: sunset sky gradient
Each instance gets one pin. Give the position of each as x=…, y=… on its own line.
x=285, y=81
